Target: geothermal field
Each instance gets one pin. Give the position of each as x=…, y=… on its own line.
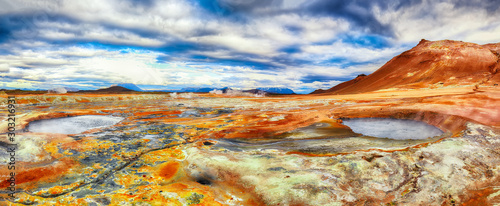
x=298, y=150
x=250, y=103
x=399, y=136
x=418, y=142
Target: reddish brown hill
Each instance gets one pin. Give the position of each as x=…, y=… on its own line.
x=341, y=85
x=431, y=64
x=109, y=90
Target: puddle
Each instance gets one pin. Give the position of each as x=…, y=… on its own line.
x=72, y=125
x=399, y=129
x=322, y=138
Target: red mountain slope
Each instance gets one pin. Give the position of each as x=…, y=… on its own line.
x=341, y=85
x=431, y=64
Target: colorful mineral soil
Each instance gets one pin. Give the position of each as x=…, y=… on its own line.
x=215, y=150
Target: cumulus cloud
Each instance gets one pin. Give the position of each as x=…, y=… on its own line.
x=445, y=19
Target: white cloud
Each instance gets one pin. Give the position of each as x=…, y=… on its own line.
x=4, y=68
x=239, y=43
x=348, y=51
x=56, y=66
x=437, y=20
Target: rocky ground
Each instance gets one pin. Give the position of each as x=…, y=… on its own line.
x=213, y=150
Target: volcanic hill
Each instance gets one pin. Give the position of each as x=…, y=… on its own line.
x=109, y=90
x=431, y=64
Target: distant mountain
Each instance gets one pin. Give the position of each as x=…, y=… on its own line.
x=109, y=90
x=71, y=89
x=255, y=91
x=276, y=90
x=197, y=89
x=187, y=89
x=162, y=90
x=130, y=86
x=224, y=90
x=58, y=90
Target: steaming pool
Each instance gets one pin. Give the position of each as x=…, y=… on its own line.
x=321, y=138
x=72, y=125
x=398, y=129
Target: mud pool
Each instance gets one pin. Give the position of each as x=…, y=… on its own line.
x=399, y=129
x=322, y=138
x=72, y=125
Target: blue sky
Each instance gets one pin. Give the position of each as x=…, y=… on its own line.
x=299, y=44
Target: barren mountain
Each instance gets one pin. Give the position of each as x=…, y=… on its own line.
x=109, y=90
x=341, y=85
x=431, y=64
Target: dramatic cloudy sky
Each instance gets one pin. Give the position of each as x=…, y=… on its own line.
x=300, y=44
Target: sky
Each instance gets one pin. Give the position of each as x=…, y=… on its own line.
x=303, y=45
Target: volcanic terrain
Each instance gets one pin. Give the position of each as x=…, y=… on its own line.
x=214, y=149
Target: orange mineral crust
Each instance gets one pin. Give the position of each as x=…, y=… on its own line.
x=169, y=170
